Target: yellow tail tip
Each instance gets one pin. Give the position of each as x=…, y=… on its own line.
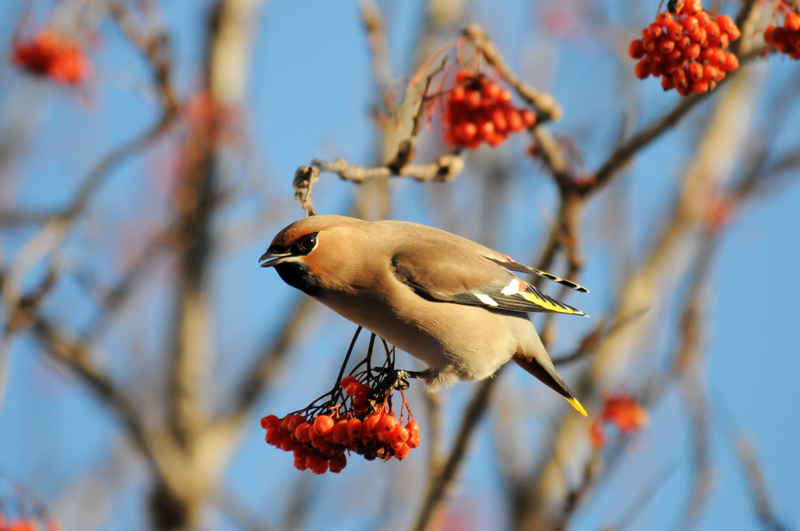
x=577, y=405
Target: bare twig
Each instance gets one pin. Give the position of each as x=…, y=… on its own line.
x=547, y=108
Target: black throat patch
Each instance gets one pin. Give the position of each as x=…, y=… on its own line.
x=297, y=276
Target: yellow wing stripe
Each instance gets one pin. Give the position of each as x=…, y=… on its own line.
x=547, y=305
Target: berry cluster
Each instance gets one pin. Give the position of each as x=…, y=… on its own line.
x=51, y=55
x=786, y=38
x=686, y=48
x=621, y=410
x=28, y=524
x=319, y=441
x=479, y=110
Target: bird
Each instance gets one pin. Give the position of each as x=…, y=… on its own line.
x=448, y=301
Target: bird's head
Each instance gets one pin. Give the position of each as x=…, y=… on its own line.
x=306, y=250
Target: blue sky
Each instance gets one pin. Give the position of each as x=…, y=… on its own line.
x=310, y=92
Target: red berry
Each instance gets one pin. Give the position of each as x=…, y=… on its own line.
x=691, y=25
x=354, y=429
x=270, y=420
x=462, y=76
x=370, y=425
x=731, y=62
x=339, y=432
x=528, y=117
x=472, y=99
x=402, y=453
x=466, y=131
x=337, y=463
x=792, y=22
x=665, y=44
x=499, y=119
x=301, y=432
x=692, y=7
x=458, y=93
x=674, y=30
x=491, y=90
x=695, y=71
x=663, y=18
x=636, y=49
x=725, y=23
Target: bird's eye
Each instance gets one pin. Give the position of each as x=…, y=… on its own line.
x=307, y=243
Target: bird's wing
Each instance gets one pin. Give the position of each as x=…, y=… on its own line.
x=450, y=271
x=509, y=263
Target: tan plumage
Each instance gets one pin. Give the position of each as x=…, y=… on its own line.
x=452, y=303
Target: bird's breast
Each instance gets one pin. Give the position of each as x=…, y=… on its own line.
x=468, y=340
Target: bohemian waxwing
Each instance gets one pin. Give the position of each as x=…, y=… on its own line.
x=452, y=303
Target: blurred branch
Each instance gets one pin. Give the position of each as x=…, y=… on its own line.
x=76, y=358
x=156, y=50
x=757, y=483
x=272, y=354
x=645, y=289
x=627, y=149
x=547, y=108
x=372, y=19
x=441, y=484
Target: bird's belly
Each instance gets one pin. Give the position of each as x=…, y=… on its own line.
x=465, y=342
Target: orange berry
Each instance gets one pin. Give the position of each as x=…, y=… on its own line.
x=692, y=7
x=656, y=69
x=674, y=30
x=402, y=453
x=370, y=425
x=400, y=434
x=387, y=424
x=642, y=69
x=695, y=71
x=712, y=30
x=725, y=23
x=499, y=119
x=504, y=96
x=514, y=120
x=528, y=117
x=665, y=44
x=300, y=463
x=636, y=49
x=458, y=93
x=701, y=87
x=466, y=131
x=495, y=139
x=301, y=432
x=731, y=62
x=287, y=444
x=463, y=75
x=667, y=83
x=491, y=90
x=792, y=22
x=472, y=99
x=340, y=434
x=354, y=429
x=691, y=25
x=485, y=129
x=323, y=424
x=270, y=420
x=663, y=18
x=703, y=18
x=337, y=463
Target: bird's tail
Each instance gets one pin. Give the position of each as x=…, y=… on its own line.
x=549, y=378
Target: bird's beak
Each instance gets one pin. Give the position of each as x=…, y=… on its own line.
x=269, y=259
